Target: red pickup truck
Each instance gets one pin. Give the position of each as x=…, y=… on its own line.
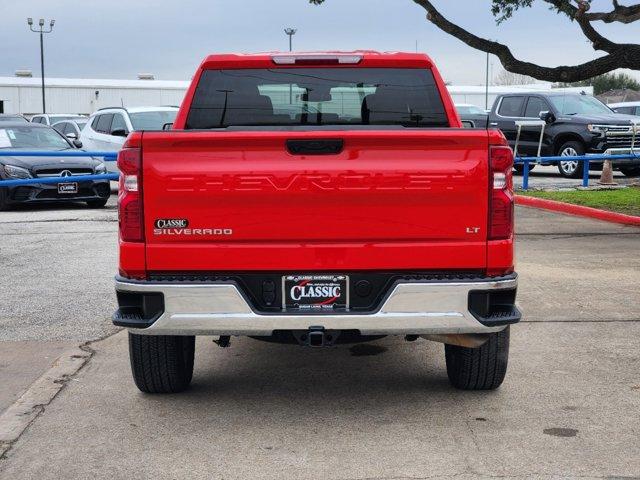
x=316, y=199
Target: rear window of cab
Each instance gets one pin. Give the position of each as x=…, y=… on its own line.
x=317, y=96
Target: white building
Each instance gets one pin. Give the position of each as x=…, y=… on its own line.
x=85, y=96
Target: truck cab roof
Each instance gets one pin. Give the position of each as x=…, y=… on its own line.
x=364, y=58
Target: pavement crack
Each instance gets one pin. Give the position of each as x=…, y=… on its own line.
x=16, y=419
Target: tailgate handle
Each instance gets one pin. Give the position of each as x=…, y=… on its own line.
x=315, y=147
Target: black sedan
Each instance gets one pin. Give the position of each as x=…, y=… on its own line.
x=33, y=136
x=473, y=114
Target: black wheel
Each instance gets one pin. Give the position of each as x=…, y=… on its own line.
x=161, y=363
x=481, y=368
x=97, y=203
x=571, y=168
x=519, y=168
x=631, y=171
x=3, y=199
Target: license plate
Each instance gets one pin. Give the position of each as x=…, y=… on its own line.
x=315, y=293
x=68, y=187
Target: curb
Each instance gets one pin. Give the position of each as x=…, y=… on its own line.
x=15, y=419
x=578, y=210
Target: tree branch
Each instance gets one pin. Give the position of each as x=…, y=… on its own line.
x=620, y=13
x=597, y=41
x=619, y=55
x=504, y=9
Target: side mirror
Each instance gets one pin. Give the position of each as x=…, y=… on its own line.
x=547, y=116
x=119, y=133
x=72, y=136
x=77, y=143
x=468, y=124
x=167, y=126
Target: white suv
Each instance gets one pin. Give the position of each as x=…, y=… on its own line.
x=51, y=118
x=629, y=108
x=107, y=129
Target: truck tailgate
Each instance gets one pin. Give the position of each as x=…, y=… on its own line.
x=389, y=199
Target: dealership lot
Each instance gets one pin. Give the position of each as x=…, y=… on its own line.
x=568, y=407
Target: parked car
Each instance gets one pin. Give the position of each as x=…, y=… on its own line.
x=11, y=117
x=377, y=216
x=627, y=108
x=474, y=114
x=577, y=124
x=30, y=136
x=108, y=128
x=51, y=118
x=71, y=128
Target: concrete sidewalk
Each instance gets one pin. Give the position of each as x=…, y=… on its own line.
x=569, y=408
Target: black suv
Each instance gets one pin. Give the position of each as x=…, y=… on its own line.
x=577, y=124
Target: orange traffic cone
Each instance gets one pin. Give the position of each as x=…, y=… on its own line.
x=607, y=174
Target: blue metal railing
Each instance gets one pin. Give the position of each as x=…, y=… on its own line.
x=111, y=156
x=585, y=159
x=107, y=156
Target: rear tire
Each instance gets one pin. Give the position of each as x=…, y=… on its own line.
x=482, y=368
x=631, y=172
x=3, y=199
x=161, y=363
x=571, y=169
x=97, y=203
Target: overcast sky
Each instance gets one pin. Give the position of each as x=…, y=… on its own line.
x=119, y=39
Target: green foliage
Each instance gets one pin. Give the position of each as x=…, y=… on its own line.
x=606, y=82
x=504, y=9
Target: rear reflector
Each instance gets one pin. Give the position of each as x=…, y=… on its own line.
x=316, y=59
x=501, y=193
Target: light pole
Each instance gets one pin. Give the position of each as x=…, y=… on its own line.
x=41, y=31
x=486, y=88
x=291, y=32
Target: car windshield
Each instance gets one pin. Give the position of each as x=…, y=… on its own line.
x=406, y=97
x=152, y=120
x=469, y=110
x=81, y=124
x=32, y=137
x=579, y=105
x=12, y=118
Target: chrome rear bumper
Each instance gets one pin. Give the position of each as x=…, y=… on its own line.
x=221, y=309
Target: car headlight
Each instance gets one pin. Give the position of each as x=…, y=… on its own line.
x=599, y=129
x=16, y=172
x=101, y=168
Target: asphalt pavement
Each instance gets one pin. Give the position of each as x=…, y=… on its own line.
x=568, y=408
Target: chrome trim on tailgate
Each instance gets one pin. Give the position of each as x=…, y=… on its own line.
x=220, y=309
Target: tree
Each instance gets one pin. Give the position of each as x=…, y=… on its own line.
x=510, y=78
x=607, y=82
x=617, y=55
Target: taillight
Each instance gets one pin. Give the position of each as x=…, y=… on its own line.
x=501, y=193
x=131, y=219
